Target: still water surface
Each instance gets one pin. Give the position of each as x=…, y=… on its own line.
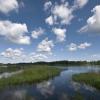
x=59, y=88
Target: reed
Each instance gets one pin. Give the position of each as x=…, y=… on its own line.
x=30, y=76
x=92, y=79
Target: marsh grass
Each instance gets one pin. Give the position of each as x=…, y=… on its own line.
x=92, y=79
x=30, y=76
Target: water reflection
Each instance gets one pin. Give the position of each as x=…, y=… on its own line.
x=64, y=96
x=77, y=86
x=61, y=87
x=17, y=95
x=7, y=74
x=46, y=88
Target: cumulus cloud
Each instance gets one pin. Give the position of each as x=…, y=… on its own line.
x=80, y=3
x=35, y=56
x=19, y=55
x=45, y=46
x=47, y=5
x=74, y=47
x=38, y=57
x=38, y=32
x=84, y=45
x=7, y=6
x=15, y=32
x=93, y=22
x=49, y=20
x=62, y=12
x=60, y=33
x=12, y=53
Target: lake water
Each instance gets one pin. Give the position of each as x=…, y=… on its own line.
x=59, y=88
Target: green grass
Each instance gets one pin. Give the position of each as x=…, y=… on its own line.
x=8, y=69
x=30, y=75
x=92, y=79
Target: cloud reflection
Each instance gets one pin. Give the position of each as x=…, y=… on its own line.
x=17, y=95
x=46, y=88
x=77, y=86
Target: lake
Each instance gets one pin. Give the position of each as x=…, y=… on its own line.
x=61, y=87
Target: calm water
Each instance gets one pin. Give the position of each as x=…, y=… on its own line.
x=59, y=88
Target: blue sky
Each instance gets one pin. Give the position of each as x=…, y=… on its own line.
x=48, y=30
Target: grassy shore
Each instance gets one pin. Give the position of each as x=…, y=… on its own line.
x=30, y=75
x=92, y=79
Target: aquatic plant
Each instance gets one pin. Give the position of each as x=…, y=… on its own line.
x=30, y=76
x=92, y=79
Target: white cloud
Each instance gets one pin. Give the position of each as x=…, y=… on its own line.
x=60, y=33
x=47, y=5
x=80, y=3
x=45, y=46
x=38, y=32
x=15, y=32
x=95, y=55
x=84, y=45
x=12, y=53
x=38, y=57
x=72, y=47
x=75, y=47
x=49, y=20
x=62, y=12
x=93, y=22
x=7, y=6
x=19, y=55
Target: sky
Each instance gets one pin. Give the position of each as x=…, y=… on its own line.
x=49, y=30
